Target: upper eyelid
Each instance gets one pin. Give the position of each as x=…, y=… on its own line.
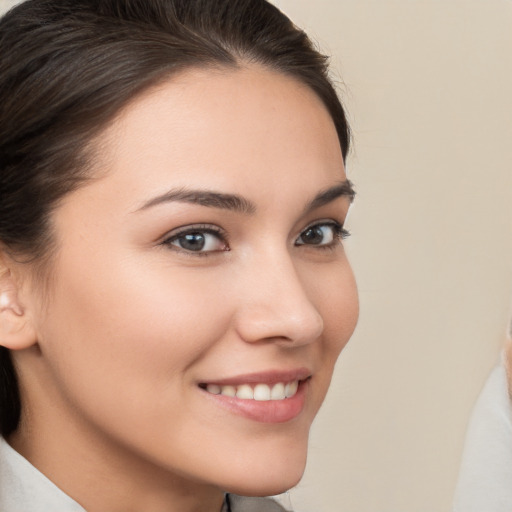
x=191, y=228
x=322, y=222
x=213, y=228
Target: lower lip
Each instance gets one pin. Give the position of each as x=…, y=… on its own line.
x=269, y=411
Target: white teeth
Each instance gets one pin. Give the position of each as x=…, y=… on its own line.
x=291, y=388
x=245, y=392
x=259, y=392
x=213, y=388
x=277, y=392
x=228, y=390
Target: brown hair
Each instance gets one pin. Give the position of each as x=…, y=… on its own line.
x=68, y=66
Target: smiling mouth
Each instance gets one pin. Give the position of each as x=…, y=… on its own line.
x=259, y=391
x=268, y=397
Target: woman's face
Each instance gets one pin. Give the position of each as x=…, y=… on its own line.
x=206, y=260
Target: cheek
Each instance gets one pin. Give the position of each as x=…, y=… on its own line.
x=343, y=312
x=124, y=332
x=338, y=304
x=334, y=293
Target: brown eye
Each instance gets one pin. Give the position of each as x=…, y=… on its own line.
x=325, y=234
x=313, y=236
x=198, y=241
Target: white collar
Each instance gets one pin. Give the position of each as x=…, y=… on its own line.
x=23, y=487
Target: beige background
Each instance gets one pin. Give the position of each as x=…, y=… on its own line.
x=427, y=85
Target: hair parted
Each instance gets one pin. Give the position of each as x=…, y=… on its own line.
x=67, y=67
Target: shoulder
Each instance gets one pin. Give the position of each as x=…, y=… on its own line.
x=245, y=504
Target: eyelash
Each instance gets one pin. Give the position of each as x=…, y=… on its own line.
x=339, y=234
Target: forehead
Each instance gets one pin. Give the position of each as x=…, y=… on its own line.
x=216, y=125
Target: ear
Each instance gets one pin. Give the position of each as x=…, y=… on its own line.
x=16, y=330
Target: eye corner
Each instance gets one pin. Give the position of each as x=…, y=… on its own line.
x=344, y=233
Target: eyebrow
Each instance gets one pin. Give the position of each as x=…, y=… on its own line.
x=342, y=189
x=236, y=203
x=207, y=198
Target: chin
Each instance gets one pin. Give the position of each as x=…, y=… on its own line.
x=266, y=488
x=270, y=477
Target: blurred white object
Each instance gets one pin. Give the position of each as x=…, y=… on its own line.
x=284, y=500
x=485, y=478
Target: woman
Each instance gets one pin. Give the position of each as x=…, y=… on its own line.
x=174, y=290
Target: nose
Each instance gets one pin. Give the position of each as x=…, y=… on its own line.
x=275, y=305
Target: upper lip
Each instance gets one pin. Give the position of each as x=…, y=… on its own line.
x=265, y=377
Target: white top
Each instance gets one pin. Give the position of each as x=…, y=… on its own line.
x=24, y=488
x=485, y=478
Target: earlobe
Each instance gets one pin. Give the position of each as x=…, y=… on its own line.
x=16, y=332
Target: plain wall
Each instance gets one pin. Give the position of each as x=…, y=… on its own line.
x=427, y=86
x=428, y=89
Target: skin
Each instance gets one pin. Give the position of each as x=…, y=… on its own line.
x=130, y=325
